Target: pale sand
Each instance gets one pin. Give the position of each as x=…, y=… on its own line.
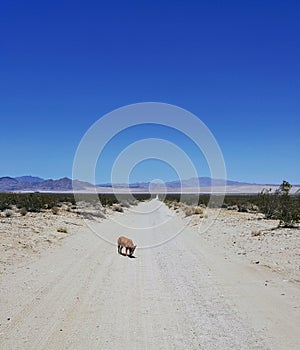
x=197, y=291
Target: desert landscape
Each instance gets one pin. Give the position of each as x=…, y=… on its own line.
x=149, y=183
x=63, y=285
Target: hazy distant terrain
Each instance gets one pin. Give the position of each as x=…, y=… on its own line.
x=201, y=184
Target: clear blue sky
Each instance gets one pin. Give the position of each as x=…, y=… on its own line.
x=234, y=64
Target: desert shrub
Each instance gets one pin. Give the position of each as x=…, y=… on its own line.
x=255, y=233
x=268, y=203
x=33, y=202
x=288, y=211
x=198, y=211
x=188, y=211
x=192, y=210
x=62, y=229
x=280, y=205
x=2, y=206
x=243, y=208
x=6, y=200
x=108, y=199
x=8, y=213
x=55, y=210
x=23, y=211
x=248, y=207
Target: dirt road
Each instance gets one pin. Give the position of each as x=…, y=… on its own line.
x=183, y=294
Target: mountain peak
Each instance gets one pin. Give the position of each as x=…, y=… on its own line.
x=29, y=178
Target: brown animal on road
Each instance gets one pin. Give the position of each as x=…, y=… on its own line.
x=126, y=243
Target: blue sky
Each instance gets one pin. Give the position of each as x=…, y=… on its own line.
x=234, y=64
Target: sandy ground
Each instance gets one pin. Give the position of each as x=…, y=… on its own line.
x=220, y=289
x=25, y=237
x=254, y=240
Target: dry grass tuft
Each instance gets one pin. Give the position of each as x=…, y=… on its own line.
x=62, y=229
x=192, y=210
x=255, y=233
x=55, y=210
x=198, y=211
x=23, y=211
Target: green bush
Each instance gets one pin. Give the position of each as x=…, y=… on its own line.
x=23, y=211
x=280, y=205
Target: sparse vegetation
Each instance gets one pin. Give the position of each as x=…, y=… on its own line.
x=281, y=205
x=192, y=210
x=23, y=211
x=255, y=233
x=62, y=229
x=188, y=211
x=55, y=210
x=36, y=202
x=198, y=211
x=32, y=202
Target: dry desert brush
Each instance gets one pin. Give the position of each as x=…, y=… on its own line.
x=281, y=205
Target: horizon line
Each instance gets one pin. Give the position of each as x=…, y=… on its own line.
x=110, y=184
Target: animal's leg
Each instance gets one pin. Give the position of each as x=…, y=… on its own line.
x=118, y=249
x=126, y=251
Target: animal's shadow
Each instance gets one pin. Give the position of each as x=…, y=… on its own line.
x=129, y=256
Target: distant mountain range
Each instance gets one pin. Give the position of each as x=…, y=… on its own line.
x=193, y=182
x=34, y=184
x=37, y=184
x=28, y=178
